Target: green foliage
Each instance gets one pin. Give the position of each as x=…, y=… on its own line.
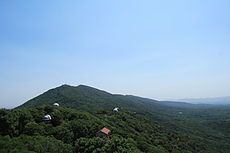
x=209, y=124
x=12, y=145
x=70, y=130
x=48, y=144
x=33, y=128
x=112, y=145
x=32, y=144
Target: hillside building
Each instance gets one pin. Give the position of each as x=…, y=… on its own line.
x=56, y=104
x=103, y=132
x=47, y=118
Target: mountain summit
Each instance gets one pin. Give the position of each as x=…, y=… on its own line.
x=85, y=98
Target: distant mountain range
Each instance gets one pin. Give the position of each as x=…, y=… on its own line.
x=213, y=101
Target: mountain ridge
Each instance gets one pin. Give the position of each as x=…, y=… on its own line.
x=207, y=122
x=87, y=91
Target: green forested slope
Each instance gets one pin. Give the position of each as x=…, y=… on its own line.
x=83, y=98
x=206, y=122
x=23, y=130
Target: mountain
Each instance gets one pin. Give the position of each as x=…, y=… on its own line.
x=210, y=123
x=88, y=98
x=213, y=101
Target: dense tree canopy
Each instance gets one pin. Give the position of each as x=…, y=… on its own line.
x=197, y=124
x=75, y=131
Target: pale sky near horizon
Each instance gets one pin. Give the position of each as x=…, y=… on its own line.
x=156, y=49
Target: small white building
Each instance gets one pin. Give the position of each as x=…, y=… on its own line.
x=115, y=110
x=47, y=117
x=56, y=104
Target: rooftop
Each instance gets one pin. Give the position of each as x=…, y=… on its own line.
x=105, y=131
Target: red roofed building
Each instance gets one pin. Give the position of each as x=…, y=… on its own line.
x=103, y=132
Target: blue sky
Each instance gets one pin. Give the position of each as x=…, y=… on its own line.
x=157, y=49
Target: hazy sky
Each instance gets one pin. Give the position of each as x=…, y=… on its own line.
x=158, y=49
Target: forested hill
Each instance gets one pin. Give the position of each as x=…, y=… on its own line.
x=88, y=98
x=208, y=123
x=69, y=130
x=84, y=98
